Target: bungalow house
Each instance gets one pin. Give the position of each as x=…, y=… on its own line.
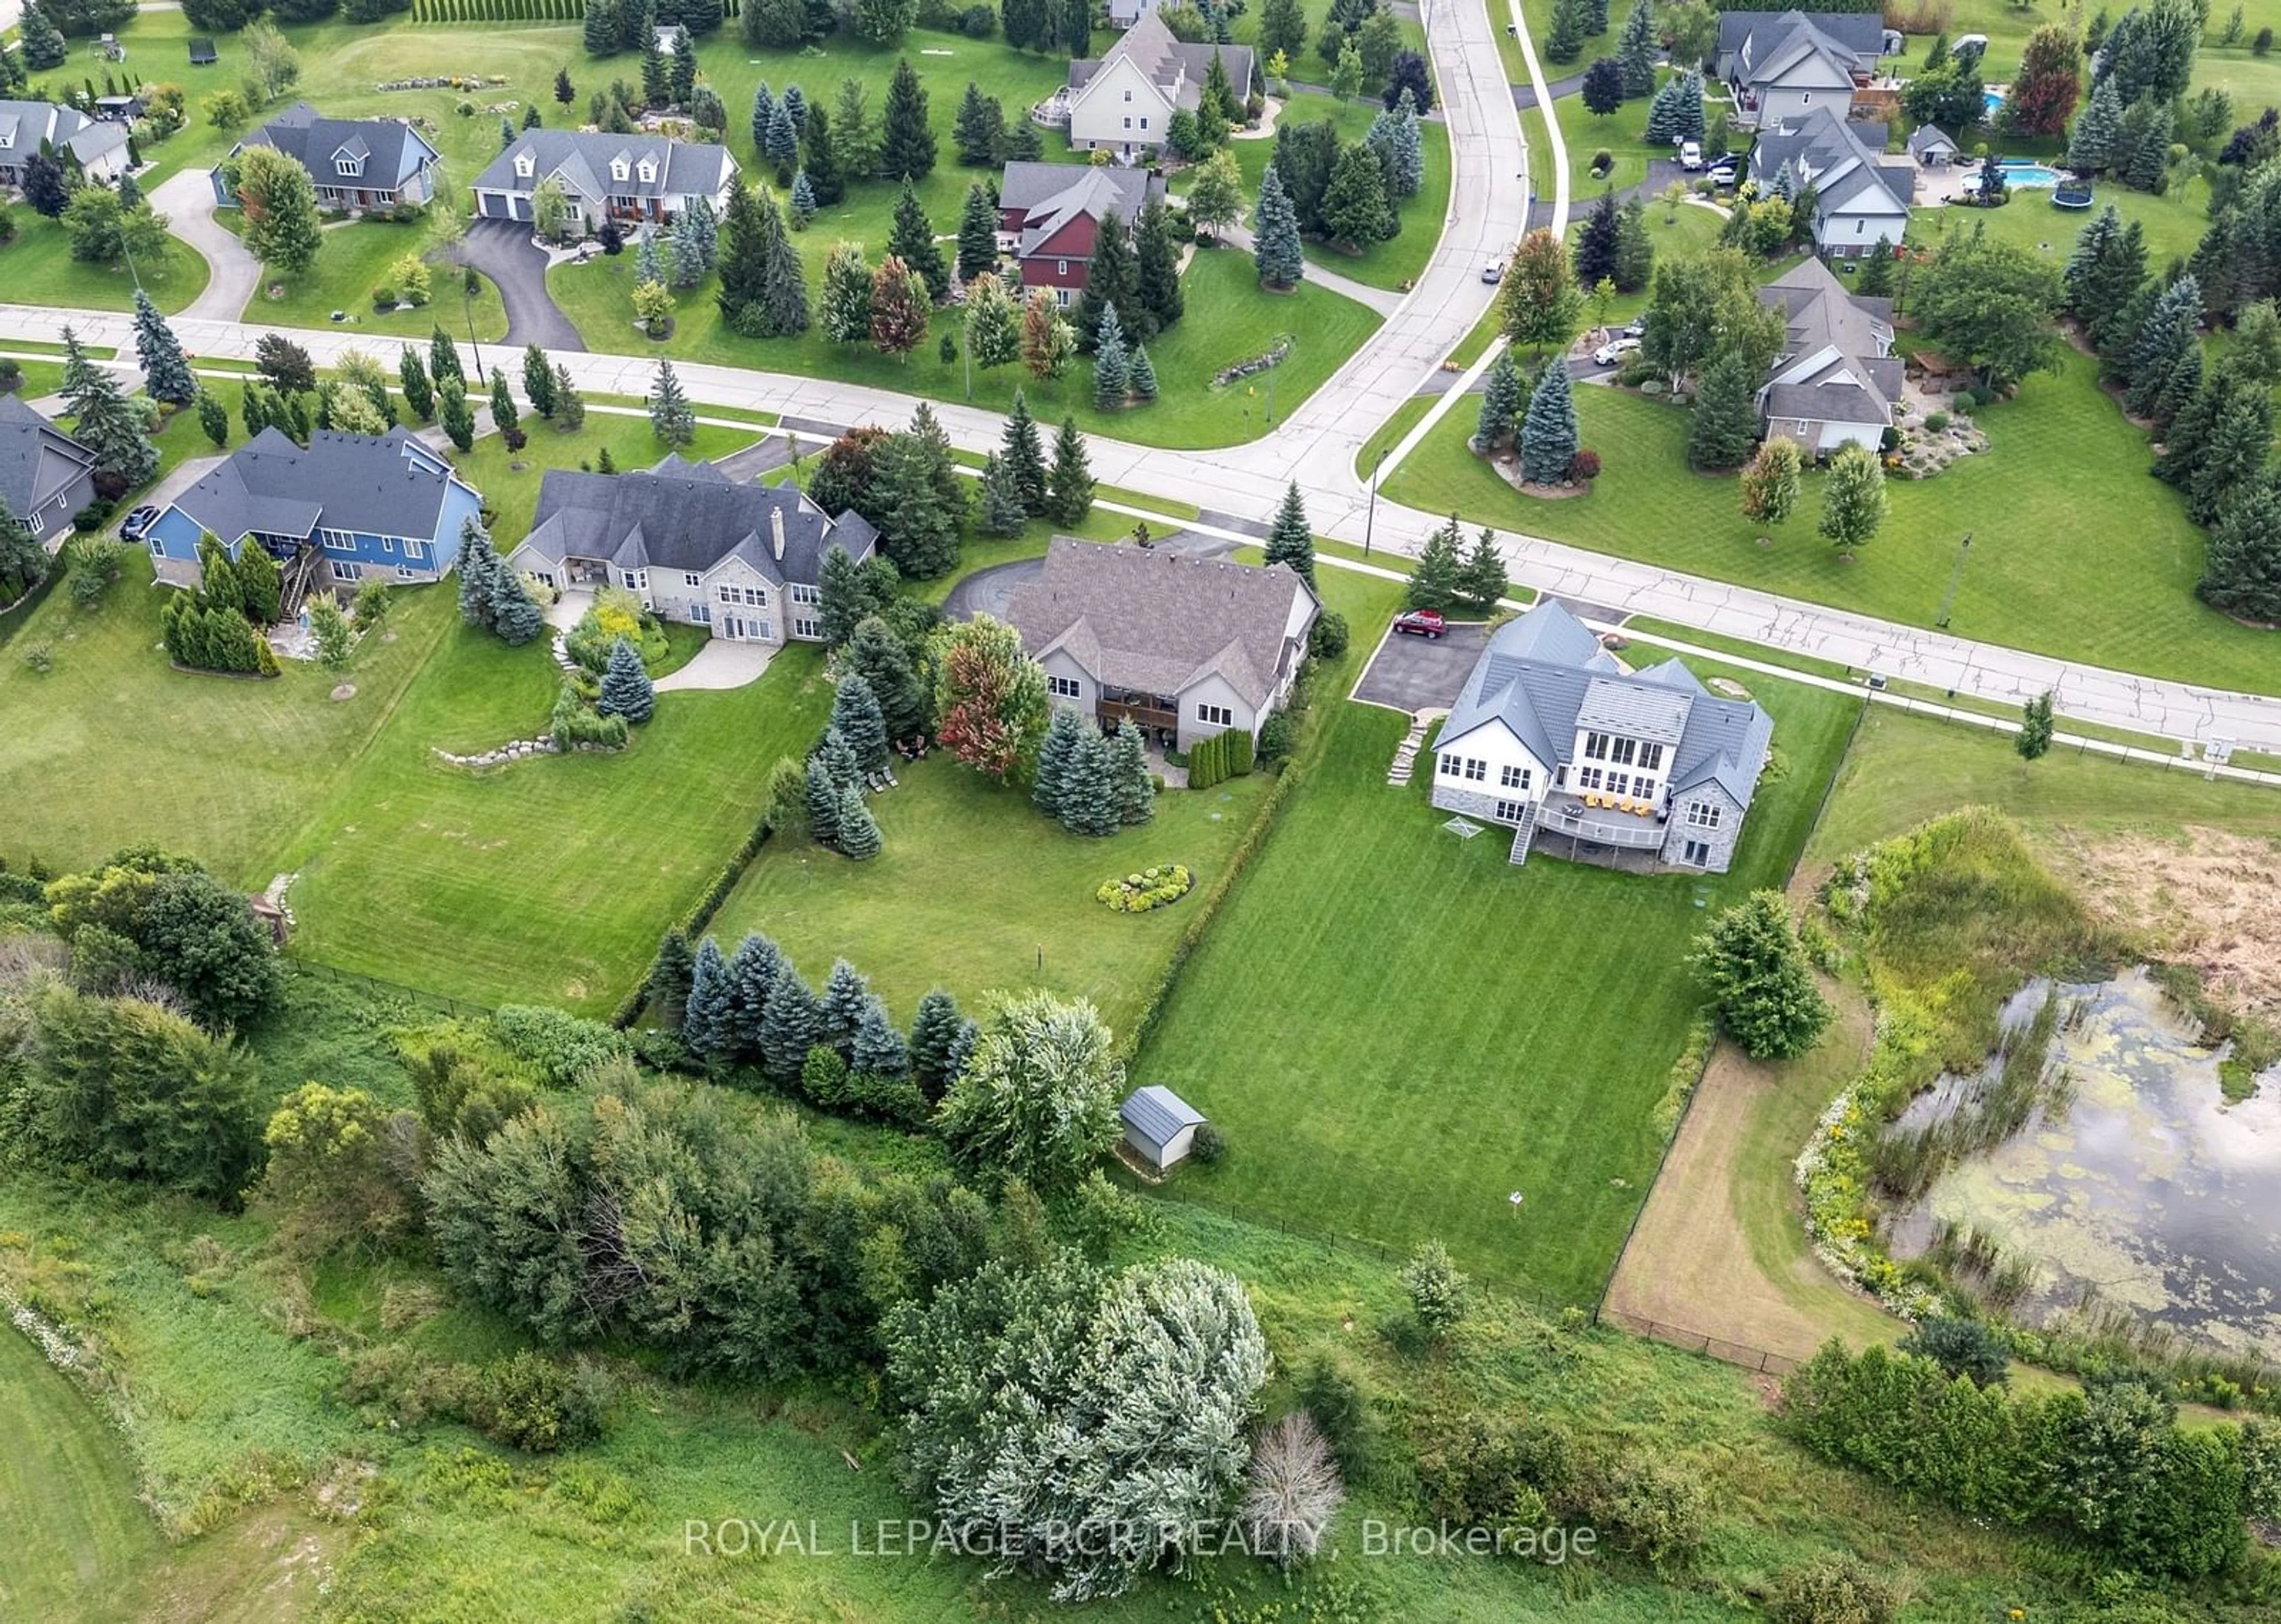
x=1782, y=64
x=1859, y=197
x=1836, y=379
x=694, y=546
x=45, y=476
x=99, y=145
x=1187, y=647
x=606, y=176
x=1123, y=101
x=356, y=163
x=1551, y=739
x=369, y=505
x=1160, y=1127
x=1050, y=216
x=1931, y=148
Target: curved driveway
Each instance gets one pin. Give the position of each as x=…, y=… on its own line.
x=502, y=249
x=233, y=276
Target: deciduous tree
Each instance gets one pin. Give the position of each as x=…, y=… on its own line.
x=1751, y=963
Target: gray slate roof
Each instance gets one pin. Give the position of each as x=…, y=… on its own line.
x=1542, y=674
x=1774, y=52
x=1861, y=382
x=351, y=482
x=1051, y=195
x=1151, y=619
x=690, y=517
x=1925, y=137
x=37, y=458
x=1157, y=1114
x=1176, y=69
x=581, y=158
x=1820, y=146
x=24, y=125
x=1860, y=34
x=312, y=141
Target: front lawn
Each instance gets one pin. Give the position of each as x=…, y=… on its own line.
x=1519, y=1039
x=2116, y=593
x=1229, y=319
x=37, y=267
x=355, y=259
x=510, y=479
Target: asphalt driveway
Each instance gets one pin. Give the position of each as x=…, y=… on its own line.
x=502, y=249
x=1413, y=674
x=233, y=276
x=989, y=591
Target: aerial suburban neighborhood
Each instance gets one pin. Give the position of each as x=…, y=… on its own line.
x=1312, y=809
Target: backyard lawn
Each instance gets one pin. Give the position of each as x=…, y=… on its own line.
x=2117, y=594
x=1519, y=1039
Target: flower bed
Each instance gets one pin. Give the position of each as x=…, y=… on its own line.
x=1150, y=888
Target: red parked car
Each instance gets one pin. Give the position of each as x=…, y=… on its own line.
x=1420, y=623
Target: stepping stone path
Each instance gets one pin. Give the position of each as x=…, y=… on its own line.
x=563, y=653
x=1405, y=754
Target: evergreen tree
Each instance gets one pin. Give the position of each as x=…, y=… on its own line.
x=443, y=358
x=855, y=712
x=880, y=658
x=1001, y=511
x=166, y=375
x=43, y=43
x=649, y=265
x=1026, y=456
x=1634, y=249
x=656, y=77
x=1089, y=799
x=2102, y=285
x=569, y=404
x=994, y=332
x=2165, y=346
x=764, y=115
x=1876, y=281
x=2034, y=739
x=912, y=241
x=516, y=616
x=800, y=208
x=1548, y=434
x=672, y=977
x=878, y=1049
x=1437, y=578
x=2091, y=142
x=1292, y=540
x=1355, y=209
x=213, y=418
x=845, y=312
x=1112, y=277
x=626, y=689
x=1133, y=788
x=822, y=802
x=782, y=146
x=751, y=977
x=977, y=234
x=1596, y=244
x=1159, y=302
x=859, y=831
x=707, y=1024
x=539, y=380
x=2241, y=574
x=979, y=128
x=1069, y=497
x=788, y=1029
x=1111, y=371
x=1853, y=503
x=1482, y=578
x=104, y=421
x=918, y=521
x=1275, y=234
x=696, y=243
x=1564, y=43
x=907, y=144
x=821, y=160
x=1142, y=374
x=1724, y=426
x=1636, y=49
x=2240, y=439
x=671, y=418
x=935, y=1035
x=840, y=1008
x=566, y=93
x=504, y=418
x=479, y=574
x=784, y=309
x=1502, y=402
x=602, y=27
x=1064, y=736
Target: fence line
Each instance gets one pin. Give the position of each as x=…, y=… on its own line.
x=318, y=971
x=1719, y=1348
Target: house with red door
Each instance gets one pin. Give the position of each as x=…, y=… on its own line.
x=1050, y=218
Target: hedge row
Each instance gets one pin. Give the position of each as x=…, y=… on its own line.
x=694, y=922
x=1223, y=756
x=510, y=10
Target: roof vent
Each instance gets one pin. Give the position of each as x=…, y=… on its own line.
x=775, y=532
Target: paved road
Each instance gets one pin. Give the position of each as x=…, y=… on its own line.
x=187, y=199
x=502, y=249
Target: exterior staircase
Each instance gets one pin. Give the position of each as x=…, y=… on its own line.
x=299, y=575
x=1523, y=833
x=1405, y=754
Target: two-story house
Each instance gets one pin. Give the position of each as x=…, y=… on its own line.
x=694, y=546
x=45, y=476
x=1187, y=647
x=1050, y=217
x=98, y=146
x=1836, y=379
x=1781, y=65
x=357, y=163
x=1859, y=197
x=372, y=505
x=1122, y=102
x=639, y=178
x=1551, y=738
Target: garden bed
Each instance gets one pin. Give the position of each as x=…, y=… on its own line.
x=1147, y=890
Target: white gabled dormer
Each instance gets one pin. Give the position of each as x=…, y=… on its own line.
x=648, y=171
x=619, y=167
x=523, y=166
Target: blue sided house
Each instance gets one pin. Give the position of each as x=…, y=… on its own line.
x=348, y=506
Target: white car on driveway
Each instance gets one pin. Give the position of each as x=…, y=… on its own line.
x=1609, y=354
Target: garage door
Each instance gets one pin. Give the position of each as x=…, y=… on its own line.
x=492, y=205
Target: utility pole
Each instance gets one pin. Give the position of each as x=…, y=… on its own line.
x=1956, y=574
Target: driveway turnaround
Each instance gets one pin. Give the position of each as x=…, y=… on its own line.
x=1414, y=674
x=720, y=664
x=989, y=591
x=233, y=276
x=502, y=249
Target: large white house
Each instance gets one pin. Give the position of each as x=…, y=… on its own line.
x=1860, y=198
x=1551, y=739
x=638, y=179
x=1123, y=101
x=1836, y=378
x=1782, y=65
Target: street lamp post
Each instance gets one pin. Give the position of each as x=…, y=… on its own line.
x=1370, y=517
x=1955, y=574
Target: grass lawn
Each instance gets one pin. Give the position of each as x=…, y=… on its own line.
x=355, y=259
x=40, y=379
x=37, y=267
x=2060, y=449
x=2173, y=223
x=510, y=479
x=122, y=748
x=1520, y=1039
x=1229, y=319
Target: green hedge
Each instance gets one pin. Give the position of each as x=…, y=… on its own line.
x=1230, y=755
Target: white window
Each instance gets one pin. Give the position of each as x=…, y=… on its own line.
x=1144, y=120
x=690, y=577
x=1060, y=298
x=343, y=570
x=1064, y=687
x=807, y=594
x=1061, y=268
x=1453, y=765
x=804, y=627
x=1128, y=96
x=388, y=544
x=37, y=524
x=701, y=613
x=1513, y=778
x=347, y=165
x=648, y=171
x=1587, y=778
x=404, y=572
x=1216, y=716
x=1512, y=811
x=617, y=169
x=522, y=165
x=633, y=580
x=1623, y=752
x=1620, y=784
x=1651, y=756
x=752, y=597
x=1595, y=747
x=1703, y=814
x=1696, y=852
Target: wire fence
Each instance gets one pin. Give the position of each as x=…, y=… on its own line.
x=1701, y=1341
x=316, y=971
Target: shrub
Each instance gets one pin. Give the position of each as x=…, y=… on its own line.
x=1963, y=404
x=39, y=658
x=1602, y=161
x=1657, y=1509
x=1278, y=737
x=561, y=1046
x=1936, y=422
x=1583, y=466
x=1208, y=1145
x=977, y=22
x=1438, y=1292
x=1481, y=1472
x=1150, y=888
x=1960, y=1347
x=2262, y=43
x=1832, y=1591
x=533, y=1403
x=1328, y=639
x=383, y=298
x=12, y=374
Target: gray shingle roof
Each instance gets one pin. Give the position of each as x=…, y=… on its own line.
x=1157, y=1114
x=1861, y=32
x=1857, y=381
x=1176, y=69
x=349, y=481
x=37, y=458
x=689, y=517
x=1103, y=191
x=1542, y=675
x=312, y=141
x=1925, y=137
x=679, y=168
x=28, y=124
x=1836, y=156
x=1150, y=619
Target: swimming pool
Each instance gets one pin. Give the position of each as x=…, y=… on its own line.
x=2030, y=174
x=1991, y=100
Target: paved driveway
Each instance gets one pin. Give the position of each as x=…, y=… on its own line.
x=1415, y=674
x=502, y=249
x=988, y=592
x=187, y=199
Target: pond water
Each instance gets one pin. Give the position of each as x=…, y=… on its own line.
x=2137, y=1184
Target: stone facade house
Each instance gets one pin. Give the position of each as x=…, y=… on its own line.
x=1187, y=647
x=694, y=546
x=1123, y=103
x=1551, y=738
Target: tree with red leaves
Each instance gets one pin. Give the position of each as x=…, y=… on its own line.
x=990, y=697
x=2041, y=99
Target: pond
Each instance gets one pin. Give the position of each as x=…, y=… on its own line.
x=2132, y=1183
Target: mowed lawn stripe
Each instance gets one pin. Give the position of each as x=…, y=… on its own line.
x=1396, y=1028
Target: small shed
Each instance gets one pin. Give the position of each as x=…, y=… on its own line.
x=120, y=109
x=1930, y=148
x=1160, y=1125
x=202, y=53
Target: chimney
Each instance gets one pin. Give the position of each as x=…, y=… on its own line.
x=775, y=532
